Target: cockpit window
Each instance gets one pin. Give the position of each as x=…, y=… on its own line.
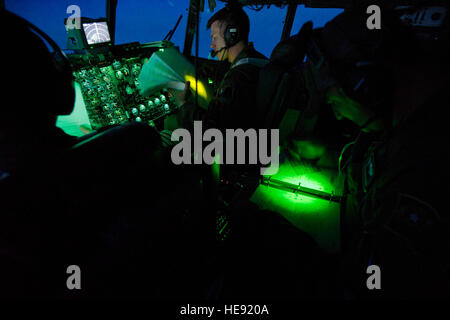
x=265, y=28
x=49, y=15
x=266, y=25
x=136, y=21
x=148, y=21
x=205, y=35
x=319, y=17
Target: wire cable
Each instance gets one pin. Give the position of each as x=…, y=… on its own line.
x=342, y=154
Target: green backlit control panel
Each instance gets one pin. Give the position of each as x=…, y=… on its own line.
x=111, y=94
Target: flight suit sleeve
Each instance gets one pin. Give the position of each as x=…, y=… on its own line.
x=231, y=108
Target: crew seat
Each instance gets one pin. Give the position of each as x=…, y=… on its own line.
x=282, y=96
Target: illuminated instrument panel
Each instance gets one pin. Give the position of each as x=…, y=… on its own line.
x=110, y=91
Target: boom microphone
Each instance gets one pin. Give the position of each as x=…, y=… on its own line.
x=215, y=53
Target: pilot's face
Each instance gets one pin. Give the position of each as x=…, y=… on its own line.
x=217, y=39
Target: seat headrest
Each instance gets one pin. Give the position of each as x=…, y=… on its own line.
x=290, y=51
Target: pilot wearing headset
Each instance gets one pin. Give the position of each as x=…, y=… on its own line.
x=68, y=202
x=235, y=101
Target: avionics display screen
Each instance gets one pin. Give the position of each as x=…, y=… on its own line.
x=96, y=32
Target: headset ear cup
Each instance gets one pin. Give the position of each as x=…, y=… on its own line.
x=231, y=36
x=226, y=37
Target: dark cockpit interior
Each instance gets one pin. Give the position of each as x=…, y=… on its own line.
x=211, y=151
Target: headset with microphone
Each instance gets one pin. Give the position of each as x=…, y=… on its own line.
x=232, y=36
x=215, y=53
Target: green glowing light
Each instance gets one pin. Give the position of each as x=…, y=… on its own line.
x=313, y=215
x=201, y=88
x=288, y=199
x=77, y=123
x=298, y=188
x=305, y=176
x=216, y=167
